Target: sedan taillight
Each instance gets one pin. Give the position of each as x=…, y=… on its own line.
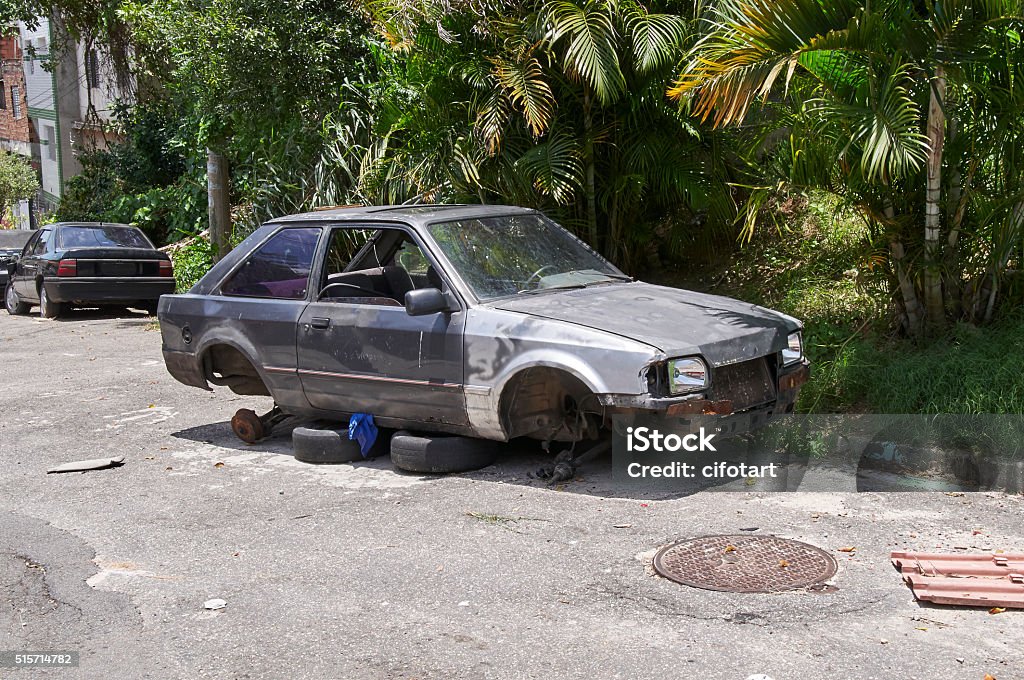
x=166, y=269
x=67, y=268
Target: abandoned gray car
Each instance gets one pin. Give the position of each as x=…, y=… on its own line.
x=490, y=322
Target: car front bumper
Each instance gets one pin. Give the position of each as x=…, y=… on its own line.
x=789, y=383
x=108, y=290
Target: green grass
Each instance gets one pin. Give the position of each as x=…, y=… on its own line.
x=823, y=270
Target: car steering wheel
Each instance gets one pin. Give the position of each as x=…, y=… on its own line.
x=535, y=275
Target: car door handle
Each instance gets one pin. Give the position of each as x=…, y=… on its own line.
x=319, y=322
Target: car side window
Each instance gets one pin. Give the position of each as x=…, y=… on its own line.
x=30, y=247
x=409, y=257
x=390, y=265
x=42, y=242
x=277, y=269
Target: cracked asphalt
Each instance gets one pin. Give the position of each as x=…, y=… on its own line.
x=357, y=571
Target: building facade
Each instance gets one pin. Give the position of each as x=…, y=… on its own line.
x=57, y=103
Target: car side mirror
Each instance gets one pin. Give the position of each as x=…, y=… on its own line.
x=12, y=268
x=425, y=301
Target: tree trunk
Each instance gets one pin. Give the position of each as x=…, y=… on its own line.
x=218, y=203
x=934, y=307
x=913, y=316
x=588, y=160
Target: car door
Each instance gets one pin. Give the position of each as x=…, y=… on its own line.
x=259, y=303
x=359, y=351
x=29, y=265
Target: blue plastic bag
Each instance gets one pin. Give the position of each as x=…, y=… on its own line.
x=362, y=430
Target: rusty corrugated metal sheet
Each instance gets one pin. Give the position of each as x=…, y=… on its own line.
x=989, y=580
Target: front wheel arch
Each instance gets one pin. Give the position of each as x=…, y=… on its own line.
x=548, y=403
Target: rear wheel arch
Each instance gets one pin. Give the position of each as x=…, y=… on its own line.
x=226, y=365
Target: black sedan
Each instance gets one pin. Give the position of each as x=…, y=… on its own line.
x=87, y=264
x=12, y=242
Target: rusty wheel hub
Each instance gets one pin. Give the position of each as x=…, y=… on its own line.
x=247, y=426
x=744, y=564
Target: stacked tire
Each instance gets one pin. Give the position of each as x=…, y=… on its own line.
x=331, y=446
x=439, y=454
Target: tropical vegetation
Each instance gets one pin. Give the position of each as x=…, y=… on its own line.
x=673, y=136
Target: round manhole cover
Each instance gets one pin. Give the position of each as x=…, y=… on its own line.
x=744, y=564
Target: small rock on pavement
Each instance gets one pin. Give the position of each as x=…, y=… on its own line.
x=215, y=604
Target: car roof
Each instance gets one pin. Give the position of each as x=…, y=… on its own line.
x=94, y=225
x=413, y=214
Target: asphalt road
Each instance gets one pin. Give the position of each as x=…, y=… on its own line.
x=356, y=571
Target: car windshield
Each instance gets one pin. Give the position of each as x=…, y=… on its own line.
x=107, y=236
x=519, y=254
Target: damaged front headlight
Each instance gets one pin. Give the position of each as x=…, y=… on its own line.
x=794, y=350
x=687, y=375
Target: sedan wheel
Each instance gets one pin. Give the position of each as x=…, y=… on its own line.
x=47, y=308
x=12, y=302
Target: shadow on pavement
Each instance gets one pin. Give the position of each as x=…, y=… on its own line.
x=517, y=463
x=220, y=434
x=128, y=317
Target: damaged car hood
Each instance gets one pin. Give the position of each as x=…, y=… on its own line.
x=677, y=322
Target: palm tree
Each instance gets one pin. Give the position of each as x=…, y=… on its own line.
x=873, y=95
x=566, y=102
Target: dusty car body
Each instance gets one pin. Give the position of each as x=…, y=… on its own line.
x=486, y=321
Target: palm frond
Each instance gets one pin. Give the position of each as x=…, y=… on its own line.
x=588, y=34
x=657, y=39
x=526, y=87
x=555, y=166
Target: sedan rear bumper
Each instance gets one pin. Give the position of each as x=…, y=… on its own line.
x=108, y=290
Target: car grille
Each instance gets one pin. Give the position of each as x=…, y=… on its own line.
x=746, y=384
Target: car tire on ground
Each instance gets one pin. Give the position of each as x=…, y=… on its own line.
x=13, y=303
x=440, y=454
x=326, y=446
x=47, y=308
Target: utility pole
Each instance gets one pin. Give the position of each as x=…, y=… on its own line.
x=218, y=204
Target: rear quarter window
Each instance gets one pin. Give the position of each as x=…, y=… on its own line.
x=277, y=269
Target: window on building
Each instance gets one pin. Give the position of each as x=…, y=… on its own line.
x=92, y=69
x=3, y=95
x=16, y=101
x=51, y=142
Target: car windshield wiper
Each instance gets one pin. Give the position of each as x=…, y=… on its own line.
x=594, y=272
x=564, y=286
